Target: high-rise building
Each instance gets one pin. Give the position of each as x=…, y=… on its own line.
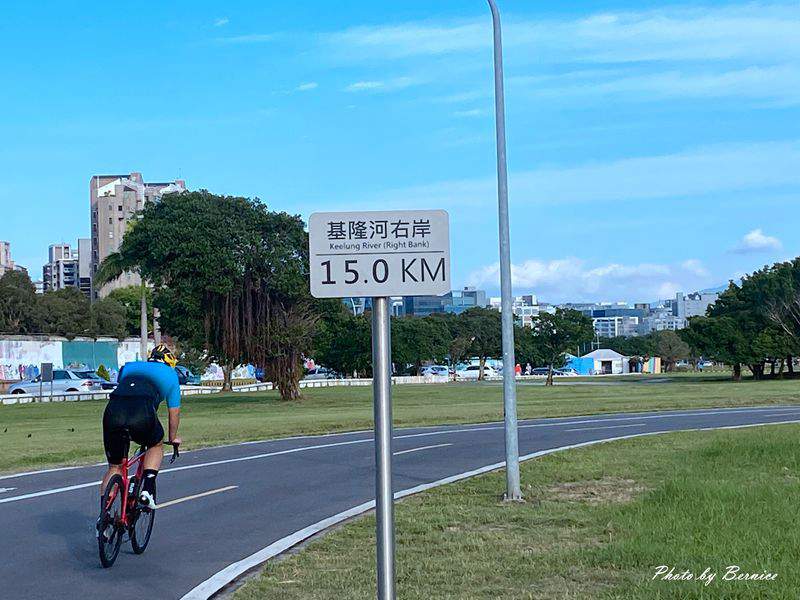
x=68, y=267
x=456, y=301
x=693, y=305
x=526, y=308
x=6, y=263
x=617, y=326
x=114, y=200
x=85, y=266
x=61, y=270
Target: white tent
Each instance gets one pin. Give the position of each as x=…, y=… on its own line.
x=608, y=362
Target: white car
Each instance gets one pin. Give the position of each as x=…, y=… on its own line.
x=472, y=372
x=436, y=370
x=565, y=373
x=63, y=381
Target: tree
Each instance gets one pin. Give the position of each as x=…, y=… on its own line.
x=644, y=345
x=557, y=333
x=416, y=340
x=459, y=337
x=66, y=312
x=109, y=317
x=103, y=373
x=343, y=341
x=131, y=298
x=19, y=310
x=671, y=348
x=718, y=338
x=484, y=329
x=112, y=267
x=527, y=348
x=231, y=277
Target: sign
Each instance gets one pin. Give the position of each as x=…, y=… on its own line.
x=47, y=372
x=379, y=253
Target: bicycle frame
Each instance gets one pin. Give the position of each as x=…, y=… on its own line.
x=127, y=464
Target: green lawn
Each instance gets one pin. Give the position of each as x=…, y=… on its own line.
x=38, y=435
x=596, y=524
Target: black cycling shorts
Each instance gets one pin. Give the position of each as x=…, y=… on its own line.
x=130, y=415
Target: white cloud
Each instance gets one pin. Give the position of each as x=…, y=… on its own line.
x=776, y=84
x=306, y=87
x=221, y=21
x=251, y=38
x=760, y=31
x=695, y=266
x=573, y=279
x=757, y=241
x=472, y=113
x=387, y=85
x=691, y=173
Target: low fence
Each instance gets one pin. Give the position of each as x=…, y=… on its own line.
x=79, y=396
x=321, y=383
x=205, y=390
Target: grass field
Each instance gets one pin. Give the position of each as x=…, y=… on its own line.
x=596, y=524
x=38, y=435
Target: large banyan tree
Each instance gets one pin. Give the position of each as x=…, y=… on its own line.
x=230, y=276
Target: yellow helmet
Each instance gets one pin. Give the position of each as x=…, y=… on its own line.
x=161, y=353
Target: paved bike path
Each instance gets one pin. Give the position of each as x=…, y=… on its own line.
x=47, y=545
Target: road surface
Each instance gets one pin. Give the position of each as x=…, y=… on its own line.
x=237, y=505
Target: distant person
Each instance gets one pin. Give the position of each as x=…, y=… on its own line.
x=517, y=370
x=528, y=369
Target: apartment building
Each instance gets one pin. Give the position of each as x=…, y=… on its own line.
x=114, y=201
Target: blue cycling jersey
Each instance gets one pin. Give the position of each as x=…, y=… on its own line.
x=159, y=375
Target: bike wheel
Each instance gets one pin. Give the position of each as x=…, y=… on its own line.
x=109, y=525
x=142, y=525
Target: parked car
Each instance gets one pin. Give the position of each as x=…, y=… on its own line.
x=540, y=371
x=437, y=370
x=472, y=372
x=321, y=373
x=63, y=381
x=104, y=385
x=186, y=377
x=565, y=373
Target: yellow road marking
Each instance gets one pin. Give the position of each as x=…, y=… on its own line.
x=196, y=496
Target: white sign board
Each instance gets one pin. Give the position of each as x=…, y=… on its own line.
x=379, y=253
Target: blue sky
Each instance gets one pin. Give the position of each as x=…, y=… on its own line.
x=652, y=147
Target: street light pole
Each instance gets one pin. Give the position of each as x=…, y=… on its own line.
x=513, y=491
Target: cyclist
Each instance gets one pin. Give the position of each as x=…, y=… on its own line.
x=131, y=414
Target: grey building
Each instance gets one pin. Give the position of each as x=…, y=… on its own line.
x=616, y=326
x=661, y=318
x=693, y=305
x=6, y=264
x=456, y=302
x=68, y=267
x=525, y=308
x=114, y=201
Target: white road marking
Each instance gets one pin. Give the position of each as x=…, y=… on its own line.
x=195, y=496
x=780, y=414
x=420, y=448
x=216, y=582
x=577, y=419
x=4, y=490
x=370, y=440
x=606, y=427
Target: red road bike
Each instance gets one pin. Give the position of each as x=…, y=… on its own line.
x=122, y=512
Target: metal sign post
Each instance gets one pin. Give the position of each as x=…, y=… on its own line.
x=513, y=491
x=382, y=399
x=380, y=254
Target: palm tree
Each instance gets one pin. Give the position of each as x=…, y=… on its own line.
x=112, y=267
